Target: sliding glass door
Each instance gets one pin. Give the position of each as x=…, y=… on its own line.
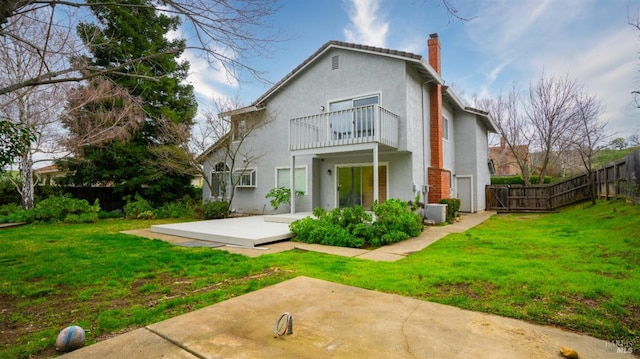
x=355, y=186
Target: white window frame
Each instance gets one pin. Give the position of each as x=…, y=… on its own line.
x=227, y=179
x=242, y=173
x=288, y=176
x=445, y=128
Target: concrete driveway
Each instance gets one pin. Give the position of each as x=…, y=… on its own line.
x=337, y=321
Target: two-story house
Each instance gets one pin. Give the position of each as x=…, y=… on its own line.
x=359, y=124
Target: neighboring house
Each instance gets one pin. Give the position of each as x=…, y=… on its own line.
x=360, y=124
x=47, y=175
x=504, y=161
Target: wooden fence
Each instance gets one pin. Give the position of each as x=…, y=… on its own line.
x=537, y=198
x=618, y=179
x=621, y=178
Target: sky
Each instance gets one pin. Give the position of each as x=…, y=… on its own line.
x=502, y=43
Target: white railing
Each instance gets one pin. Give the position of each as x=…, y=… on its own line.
x=364, y=124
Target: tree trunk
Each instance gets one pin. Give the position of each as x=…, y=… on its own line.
x=26, y=174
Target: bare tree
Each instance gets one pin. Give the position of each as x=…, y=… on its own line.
x=225, y=164
x=591, y=136
x=515, y=131
x=552, y=111
x=30, y=108
x=226, y=33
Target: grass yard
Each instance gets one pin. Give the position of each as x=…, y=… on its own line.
x=578, y=269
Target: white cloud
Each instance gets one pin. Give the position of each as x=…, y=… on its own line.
x=367, y=26
x=587, y=40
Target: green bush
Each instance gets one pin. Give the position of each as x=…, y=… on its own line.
x=215, y=209
x=353, y=227
x=133, y=209
x=517, y=180
x=57, y=208
x=13, y=213
x=281, y=195
x=453, y=205
x=319, y=231
x=395, y=216
x=9, y=208
x=178, y=209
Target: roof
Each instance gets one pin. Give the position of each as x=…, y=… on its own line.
x=46, y=169
x=484, y=116
x=417, y=60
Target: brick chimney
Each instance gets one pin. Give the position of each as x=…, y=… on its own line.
x=439, y=178
x=434, y=52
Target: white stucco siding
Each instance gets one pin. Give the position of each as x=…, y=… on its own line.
x=483, y=177
x=466, y=155
x=418, y=120
x=449, y=144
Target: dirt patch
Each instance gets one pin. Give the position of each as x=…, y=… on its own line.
x=22, y=319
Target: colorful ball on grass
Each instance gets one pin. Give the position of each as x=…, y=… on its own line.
x=70, y=338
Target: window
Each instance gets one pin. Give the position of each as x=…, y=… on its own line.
x=445, y=128
x=245, y=177
x=353, y=119
x=283, y=178
x=220, y=181
x=239, y=130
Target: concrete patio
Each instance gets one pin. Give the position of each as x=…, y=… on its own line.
x=248, y=231
x=252, y=236
x=338, y=321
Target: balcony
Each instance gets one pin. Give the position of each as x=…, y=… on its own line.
x=359, y=125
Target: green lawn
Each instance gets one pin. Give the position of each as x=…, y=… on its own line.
x=578, y=269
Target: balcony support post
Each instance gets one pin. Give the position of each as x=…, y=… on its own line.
x=292, y=181
x=375, y=172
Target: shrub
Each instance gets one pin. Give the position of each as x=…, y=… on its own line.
x=183, y=208
x=133, y=209
x=453, y=205
x=215, y=209
x=280, y=196
x=13, y=213
x=9, y=208
x=319, y=231
x=57, y=208
x=517, y=180
x=395, y=215
x=352, y=226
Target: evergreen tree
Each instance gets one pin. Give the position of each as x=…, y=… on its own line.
x=121, y=34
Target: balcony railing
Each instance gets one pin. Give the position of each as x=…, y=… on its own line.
x=366, y=124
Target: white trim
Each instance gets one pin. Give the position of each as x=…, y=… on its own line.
x=244, y=171
x=448, y=132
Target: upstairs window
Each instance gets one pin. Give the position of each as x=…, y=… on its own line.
x=445, y=128
x=350, y=119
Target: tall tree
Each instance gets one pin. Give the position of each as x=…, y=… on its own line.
x=120, y=34
x=226, y=34
x=551, y=109
x=591, y=135
x=29, y=113
x=514, y=130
